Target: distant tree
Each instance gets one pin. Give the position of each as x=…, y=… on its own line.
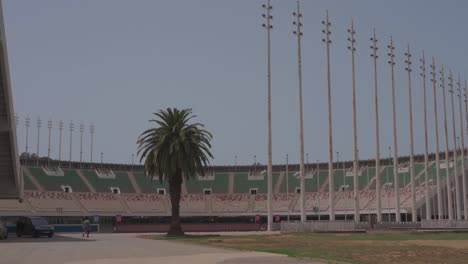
x=172, y=150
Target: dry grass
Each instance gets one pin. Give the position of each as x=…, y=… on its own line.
x=352, y=248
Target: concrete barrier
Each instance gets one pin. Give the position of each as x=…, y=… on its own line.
x=444, y=224
x=319, y=226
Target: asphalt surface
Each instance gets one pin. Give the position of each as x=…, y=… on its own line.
x=123, y=249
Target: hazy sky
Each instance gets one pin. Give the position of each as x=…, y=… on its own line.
x=114, y=62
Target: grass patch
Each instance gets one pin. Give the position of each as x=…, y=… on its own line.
x=351, y=248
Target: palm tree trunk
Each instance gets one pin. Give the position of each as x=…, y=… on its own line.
x=175, y=186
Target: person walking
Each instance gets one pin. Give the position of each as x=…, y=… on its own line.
x=86, y=227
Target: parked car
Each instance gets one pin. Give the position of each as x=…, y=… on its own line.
x=3, y=231
x=34, y=226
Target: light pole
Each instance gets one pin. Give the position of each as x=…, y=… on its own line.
x=27, y=123
x=466, y=116
x=395, y=144
x=447, y=158
x=318, y=189
x=455, y=156
x=71, y=127
x=386, y=185
x=410, y=108
x=268, y=27
x=465, y=206
x=287, y=182
x=352, y=48
x=378, y=184
x=91, y=131
x=133, y=157
x=426, y=146
x=331, y=186
x=81, y=142
x=60, y=141
x=49, y=126
x=298, y=32
x=39, y=124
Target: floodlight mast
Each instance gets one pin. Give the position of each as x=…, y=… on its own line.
x=27, y=123
x=447, y=158
x=352, y=48
x=91, y=131
x=378, y=185
x=455, y=156
x=465, y=206
x=39, y=125
x=395, y=144
x=466, y=119
x=426, y=144
x=268, y=7
x=71, y=128
x=298, y=33
x=60, y=141
x=410, y=111
x=81, y=142
x=49, y=126
x=331, y=186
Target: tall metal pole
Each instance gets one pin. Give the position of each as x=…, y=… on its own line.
x=91, y=131
x=351, y=47
x=466, y=119
x=410, y=111
x=39, y=124
x=298, y=33
x=331, y=186
x=455, y=156
x=447, y=158
x=378, y=185
x=71, y=127
x=81, y=142
x=287, y=181
x=426, y=145
x=27, y=123
x=133, y=160
x=462, y=135
x=60, y=142
x=49, y=126
x=268, y=27
x=395, y=144
x=318, y=189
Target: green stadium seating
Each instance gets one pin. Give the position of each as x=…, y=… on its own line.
x=147, y=185
x=54, y=183
x=219, y=185
x=103, y=185
x=28, y=185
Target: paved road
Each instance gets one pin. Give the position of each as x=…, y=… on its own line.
x=123, y=249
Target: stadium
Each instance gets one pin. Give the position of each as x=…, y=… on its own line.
x=65, y=193
x=420, y=191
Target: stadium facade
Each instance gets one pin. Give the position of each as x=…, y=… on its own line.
x=88, y=189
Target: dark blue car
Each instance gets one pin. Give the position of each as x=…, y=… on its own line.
x=33, y=226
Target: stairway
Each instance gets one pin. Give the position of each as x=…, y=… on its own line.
x=85, y=181
x=279, y=182
x=231, y=183
x=134, y=183
x=124, y=204
x=28, y=174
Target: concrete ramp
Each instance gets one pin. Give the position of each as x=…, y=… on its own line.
x=11, y=182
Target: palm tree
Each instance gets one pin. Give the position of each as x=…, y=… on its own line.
x=172, y=150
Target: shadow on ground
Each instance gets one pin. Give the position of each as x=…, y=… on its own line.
x=56, y=238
